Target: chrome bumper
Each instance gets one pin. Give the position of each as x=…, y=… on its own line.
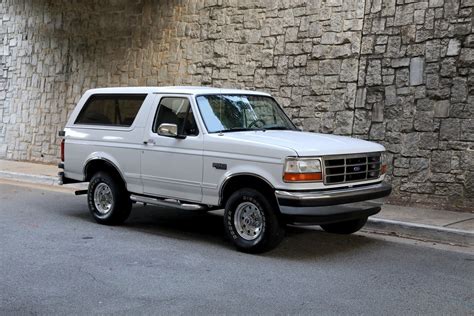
x=333, y=205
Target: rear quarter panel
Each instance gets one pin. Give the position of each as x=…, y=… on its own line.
x=119, y=145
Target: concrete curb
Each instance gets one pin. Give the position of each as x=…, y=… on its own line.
x=26, y=177
x=439, y=234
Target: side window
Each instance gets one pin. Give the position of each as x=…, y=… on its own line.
x=111, y=110
x=173, y=110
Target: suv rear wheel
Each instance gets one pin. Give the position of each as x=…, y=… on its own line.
x=345, y=228
x=251, y=221
x=109, y=202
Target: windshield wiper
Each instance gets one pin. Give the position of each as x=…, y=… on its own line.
x=239, y=129
x=276, y=128
x=244, y=129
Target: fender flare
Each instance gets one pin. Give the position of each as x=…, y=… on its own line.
x=100, y=157
x=229, y=177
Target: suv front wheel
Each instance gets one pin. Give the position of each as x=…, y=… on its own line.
x=109, y=202
x=251, y=221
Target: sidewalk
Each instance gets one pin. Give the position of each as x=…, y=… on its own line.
x=413, y=222
x=425, y=224
x=29, y=172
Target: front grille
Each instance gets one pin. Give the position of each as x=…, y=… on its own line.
x=351, y=168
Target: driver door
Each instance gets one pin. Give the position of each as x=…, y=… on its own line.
x=172, y=166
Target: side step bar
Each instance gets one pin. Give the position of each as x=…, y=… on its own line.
x=167, y=202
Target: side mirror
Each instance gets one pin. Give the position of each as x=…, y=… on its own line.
x=169, y=130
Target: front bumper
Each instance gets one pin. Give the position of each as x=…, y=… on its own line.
x=334, y=205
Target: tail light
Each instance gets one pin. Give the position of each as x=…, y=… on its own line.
x=62, y=150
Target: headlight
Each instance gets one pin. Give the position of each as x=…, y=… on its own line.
x=302, y=170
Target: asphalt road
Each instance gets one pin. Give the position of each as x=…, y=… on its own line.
x=55, y=260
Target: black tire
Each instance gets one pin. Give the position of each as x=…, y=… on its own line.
x=121, y=204
x=271, y=230
x=345, y=228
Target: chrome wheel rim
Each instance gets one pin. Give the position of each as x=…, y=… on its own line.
x=248, y=221
x=103, y=198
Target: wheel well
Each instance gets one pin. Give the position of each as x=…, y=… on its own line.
x=97, y=165
x=246, y=181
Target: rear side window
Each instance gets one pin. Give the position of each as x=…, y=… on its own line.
x=111, y=110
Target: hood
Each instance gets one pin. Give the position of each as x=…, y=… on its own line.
x=309, y=144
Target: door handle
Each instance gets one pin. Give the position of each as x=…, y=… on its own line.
x=149, y=142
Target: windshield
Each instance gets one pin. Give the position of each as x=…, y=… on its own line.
x=227, y=113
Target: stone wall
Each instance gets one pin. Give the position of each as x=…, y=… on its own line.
x=417, y=68
x=399, y=72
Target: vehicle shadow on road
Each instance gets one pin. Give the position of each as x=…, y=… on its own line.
x=300, y=243
x=311, y=242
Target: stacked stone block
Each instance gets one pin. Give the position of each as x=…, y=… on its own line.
x=399, y=72
x=419, y=98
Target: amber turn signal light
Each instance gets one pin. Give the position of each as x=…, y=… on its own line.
x=295, y=177
x=383, y=169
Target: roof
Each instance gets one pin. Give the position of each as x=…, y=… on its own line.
x=192, y=90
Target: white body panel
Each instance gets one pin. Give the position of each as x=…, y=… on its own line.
x=242, y=156
x=264, y=153
x=171, y=167
x=183, y=168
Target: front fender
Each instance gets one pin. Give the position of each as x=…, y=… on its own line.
x=269, y=175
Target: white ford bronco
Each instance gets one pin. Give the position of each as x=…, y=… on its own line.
x=199, y=148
